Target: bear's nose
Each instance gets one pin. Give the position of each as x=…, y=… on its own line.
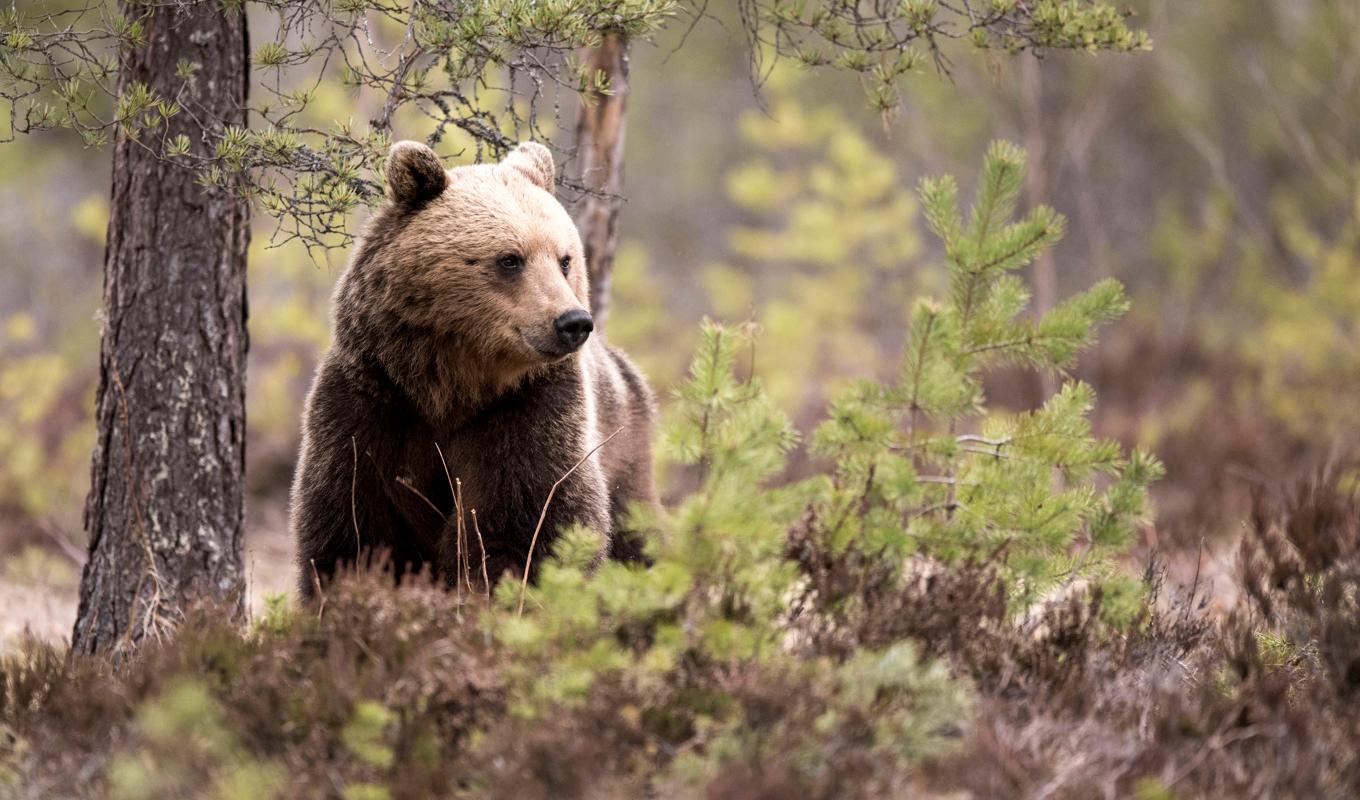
x=574, y=327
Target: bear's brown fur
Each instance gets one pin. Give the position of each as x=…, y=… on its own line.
x=448, y=364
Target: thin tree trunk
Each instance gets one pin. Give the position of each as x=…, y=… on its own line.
x=1036, y=191
x=600, y=132
x=165, y=506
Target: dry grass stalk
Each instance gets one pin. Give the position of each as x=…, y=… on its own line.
x=533, y=543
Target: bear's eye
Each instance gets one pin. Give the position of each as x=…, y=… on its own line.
x=510, y=262
x=566, y=264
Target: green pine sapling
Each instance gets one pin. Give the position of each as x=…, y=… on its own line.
x=923, y=467
x=921, y=471
x=690, y=643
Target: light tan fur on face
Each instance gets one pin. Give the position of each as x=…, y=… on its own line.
x=432, y=261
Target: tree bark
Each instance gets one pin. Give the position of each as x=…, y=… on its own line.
x=600, y=130
x=165, y=507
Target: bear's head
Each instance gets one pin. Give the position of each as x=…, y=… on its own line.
x=481, y=262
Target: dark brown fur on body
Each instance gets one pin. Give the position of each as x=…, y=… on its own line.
x=444, y=344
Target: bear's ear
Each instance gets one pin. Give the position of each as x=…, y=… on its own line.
x=535, y=162
x=414, y=174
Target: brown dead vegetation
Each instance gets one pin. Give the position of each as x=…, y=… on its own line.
x=406, y=690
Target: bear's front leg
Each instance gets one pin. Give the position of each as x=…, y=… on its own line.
x=345, y=506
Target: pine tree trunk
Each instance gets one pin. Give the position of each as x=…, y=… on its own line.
x=165, y=507
x=599, y=140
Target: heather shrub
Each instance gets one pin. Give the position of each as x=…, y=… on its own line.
x=1257, y=704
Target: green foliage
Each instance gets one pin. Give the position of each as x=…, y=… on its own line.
x=1303, y=353
x=883, y=42
x=823, y=241
x=641, y=320
x=458, y=72
x=278, y=615
x=1038, y=485
x=38, y=386
x=714, y=603
x=366, y=734
x=718, y=582
x=187, y=749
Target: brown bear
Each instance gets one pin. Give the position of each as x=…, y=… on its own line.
x=463, y=351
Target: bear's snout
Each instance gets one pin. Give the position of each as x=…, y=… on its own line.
x=573, y=328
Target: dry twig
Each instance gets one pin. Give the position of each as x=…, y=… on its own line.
x=529, y=561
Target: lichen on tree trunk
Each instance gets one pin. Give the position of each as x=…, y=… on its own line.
x=600, y=132
x=165, y=508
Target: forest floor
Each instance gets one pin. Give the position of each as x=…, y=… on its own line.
x=40, y=577
x=39, y=580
